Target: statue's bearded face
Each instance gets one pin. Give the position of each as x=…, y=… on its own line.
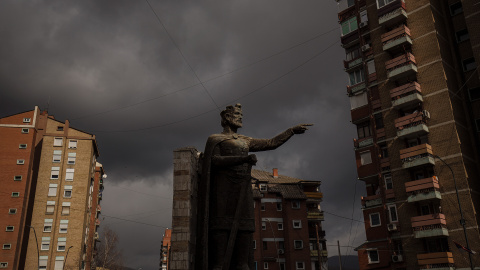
x=235, y=118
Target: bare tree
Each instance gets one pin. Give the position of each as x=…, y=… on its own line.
x=108, y=256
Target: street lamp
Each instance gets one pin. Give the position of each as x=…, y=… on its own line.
x=36, y=241
x=65, y=261
x=462, y=220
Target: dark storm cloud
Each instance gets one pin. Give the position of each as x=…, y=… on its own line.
x=112, y=69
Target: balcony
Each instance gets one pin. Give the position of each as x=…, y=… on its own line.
x=352, y=63
x=423, y=189
x=371, y=201
x=313, y=234
x=401, y=66
x=436, y=260
x=417, y=156
x=406, y=95
x=314, y=195
x=412, y=125
x=315, y=215
x=314, y=253
x=393, y=13
x=385, y=164
x=429, y=225
x=396, y=39
x=350, y=39
x=364, y=142
x=356, y=88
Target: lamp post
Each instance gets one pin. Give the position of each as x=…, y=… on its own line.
x=462, y=220
x=36, y=241
x=65, y=261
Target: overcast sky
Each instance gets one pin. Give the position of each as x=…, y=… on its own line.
x=146, y=86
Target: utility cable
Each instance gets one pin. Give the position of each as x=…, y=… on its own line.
x=344, y=217
x=133, y=221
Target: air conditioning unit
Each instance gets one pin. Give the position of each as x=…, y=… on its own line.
x=397, y=258
x=426, y=114
x=392, y=227
x=96, y=235
x=281, y=251
x=365, y=47
x=363, y=24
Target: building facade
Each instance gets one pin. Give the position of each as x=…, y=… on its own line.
x=414, y=89
x=53, y=181
x=288, y=223
x=165, y=249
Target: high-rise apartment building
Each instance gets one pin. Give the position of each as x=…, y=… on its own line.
x=50, y=173
x=288, y=223
x=414, y=89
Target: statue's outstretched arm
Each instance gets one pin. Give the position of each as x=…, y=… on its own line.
x=273, y=143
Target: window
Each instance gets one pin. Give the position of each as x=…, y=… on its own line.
x=67, y=193
x=60, y=128
x=22, y=146
x=344, y=4
x=279, y=206
x=365, y=158
x=20, y=161
x=12, y=211
x=72, y=144
x=388, y=181
x=265, y=245
x=62, y=243
x=469, y=64
x=298, y=244
x=15, y=194
x=263, y=187
x=7, y=246
x=52, y=190
x=66, y=208
x=456, y=8
x=45, y=243
x=57, y=141
x=353, y=53
x=384, y=151
x=17, y=177
x=57, y=156
x=282, y=266
x=356, y=76
x=349, y=25
x=69, y=174
x=55, y=173
x=373, y=256
x=295, y=205
x=254, y=244
x=27, y=120
x=262, y=206
x=3, y=264
x=25, y=130
x=392, y=213
x=47, y=225
x=42, y=262
x=382, y=3
x=71, y=158
x=280, y=226
x=462, y=35
x=264, y=225
x=265, y=265
x=363, y=16
x=364, y=130
x=63, y=226
x=371, y=67
x=300, y=265
x=375, y=220
x=297, y=224
x=59, y=262
x=50, y=207
x=9, y=228
x=379, y=121
x=358, y=100
x=474, y=93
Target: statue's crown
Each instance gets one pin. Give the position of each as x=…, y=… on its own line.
x=231, y=109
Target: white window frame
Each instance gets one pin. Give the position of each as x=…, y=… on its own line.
x=279, y=206
x=388, y=180
x=10, y=228
x=42, y=262
x=358, y=100
x=70, y=173
x=72, y=144
x=52, y=190
x=12, y=211
x=264, y=225
x=356, y=76
x=3, y=264
x=67, y=191
x=15, y=194
x=27, y=120
x=17, y=178
x=7, y=246
x=63, y=228
x=379, y=220
x=302, y=267
x=57, y=156
x=25, y=130
x=48, y=223
x=394, y=207
x=263, y=187
x=66, y=208
x=59, y=262
x=62, y=243
x=55, y=173
x=295, y=244
x=365, y=158
x=71, y=158
x=45, y=245
x=350, y=23
x=265, y=265
x=298, y=225
x=280, y=226
x=50, y=205
x=370, y=261
x=20, y=161
x=58, y=141
x=384, y=3
x=22, y=146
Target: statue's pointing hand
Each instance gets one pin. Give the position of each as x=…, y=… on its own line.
x=300, y=129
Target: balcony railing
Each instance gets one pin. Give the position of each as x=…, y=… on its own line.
x=352, y=63
x=318, y=215
x=443, y=260
x=406, y=95
x=314, y=195
x=314, y=253
x=429, y=225
x=371, y=201
x=396, y=38
x=417, y=156
x=393, y=13
x=352, y=89
x=423, y=189
x=364, y=142
x=411, y=125
x=401, y=66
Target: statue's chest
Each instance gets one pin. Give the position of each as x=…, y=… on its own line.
x=234, y=147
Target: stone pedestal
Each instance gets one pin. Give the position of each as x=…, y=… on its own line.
x=184, y=221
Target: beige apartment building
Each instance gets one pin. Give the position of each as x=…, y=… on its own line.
x=414, y=88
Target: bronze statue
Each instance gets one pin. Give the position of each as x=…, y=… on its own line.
x=226, y=221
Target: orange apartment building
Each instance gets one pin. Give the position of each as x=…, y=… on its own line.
x=51, y=181
x=165, y=249
x=288, y=223
x=414, y=89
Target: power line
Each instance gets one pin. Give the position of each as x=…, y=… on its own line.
x=344, y=217
x=231, y=101
x=133, y=221
x=211, y=79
